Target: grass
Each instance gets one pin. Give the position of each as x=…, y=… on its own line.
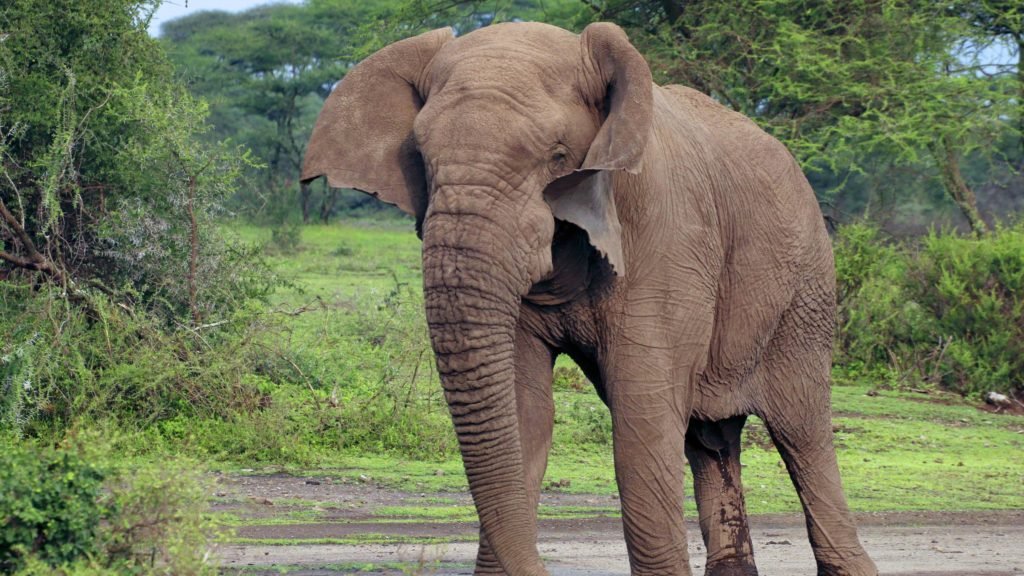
x=897, y=450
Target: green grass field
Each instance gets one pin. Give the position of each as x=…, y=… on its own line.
x=354, y=325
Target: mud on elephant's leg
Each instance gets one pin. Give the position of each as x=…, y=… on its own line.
x=713, y=449
x=536, y=410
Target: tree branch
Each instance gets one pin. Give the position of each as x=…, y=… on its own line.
x=35, y=260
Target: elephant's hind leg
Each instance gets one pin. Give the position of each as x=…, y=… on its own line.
x=713, y=449
x=796, y=410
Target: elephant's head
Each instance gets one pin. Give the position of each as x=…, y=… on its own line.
x=486, y=140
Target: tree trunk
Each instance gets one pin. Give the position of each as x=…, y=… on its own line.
x=304, y=198
x=953, y=180
x=193, y=256
x=327, y=205
x=1020, y=95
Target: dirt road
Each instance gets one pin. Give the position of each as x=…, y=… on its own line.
x=314, y=526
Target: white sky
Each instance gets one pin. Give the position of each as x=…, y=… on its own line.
x=171, y=9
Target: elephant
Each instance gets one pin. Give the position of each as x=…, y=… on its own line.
x=676, y=252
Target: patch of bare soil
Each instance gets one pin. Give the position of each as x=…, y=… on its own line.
x=902, y=543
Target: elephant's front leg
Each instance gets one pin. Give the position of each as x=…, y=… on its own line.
x=650, y=405
x=536, y=410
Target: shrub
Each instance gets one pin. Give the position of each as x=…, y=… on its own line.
x=973, y=290
x=63, y=513
x=157, y=523
x=943, y=311
x=63, y=368
x=50, y=507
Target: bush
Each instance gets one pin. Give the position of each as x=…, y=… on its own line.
x=65, y=514
x=50, y=507
x=157, y=523
x=61, y=368
x=973, y=290
x=944, y=311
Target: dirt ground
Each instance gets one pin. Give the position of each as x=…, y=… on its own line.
x=590, y=543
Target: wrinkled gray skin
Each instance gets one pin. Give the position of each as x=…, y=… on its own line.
x=670, y=247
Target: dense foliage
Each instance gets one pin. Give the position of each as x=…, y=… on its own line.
x=50, y=507
x=117, y=285
x=64, y=513
x=105, y=185
x=943, y=310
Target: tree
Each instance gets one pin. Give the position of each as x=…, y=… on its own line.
x=999, y=24
x=266, y=72
x=838, y=81
x=105, y=186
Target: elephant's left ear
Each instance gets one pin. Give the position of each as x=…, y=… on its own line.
x=585, y=199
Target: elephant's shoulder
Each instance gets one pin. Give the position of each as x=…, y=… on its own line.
x=728, y=135
x=698, y=107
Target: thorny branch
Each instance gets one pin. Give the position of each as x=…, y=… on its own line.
x=35, y=260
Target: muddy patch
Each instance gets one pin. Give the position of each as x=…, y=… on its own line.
x=319, y=526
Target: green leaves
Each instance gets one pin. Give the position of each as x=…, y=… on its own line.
x=853, y=88
x=946, y=311
x=49, y=507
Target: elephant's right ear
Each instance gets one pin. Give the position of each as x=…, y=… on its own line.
x=363, y=137
x=586, y=199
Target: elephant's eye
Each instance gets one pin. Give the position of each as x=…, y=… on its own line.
x=559, y=162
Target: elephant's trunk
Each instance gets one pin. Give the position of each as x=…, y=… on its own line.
x=472, y=286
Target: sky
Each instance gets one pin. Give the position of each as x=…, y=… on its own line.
x=171, y=9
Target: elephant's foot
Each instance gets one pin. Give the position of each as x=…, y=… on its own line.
x=732, y=566
x=855, y=564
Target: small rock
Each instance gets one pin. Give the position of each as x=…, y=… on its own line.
x=313, y=482
x=364, y=478
x=438, y=472
x=997, y=399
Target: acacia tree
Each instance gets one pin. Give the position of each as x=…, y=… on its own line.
x=999, y=25
x=266, y=72
x=840, y=81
